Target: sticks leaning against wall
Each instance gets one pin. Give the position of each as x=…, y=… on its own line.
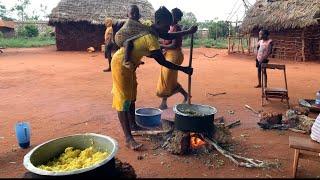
x=236, y=44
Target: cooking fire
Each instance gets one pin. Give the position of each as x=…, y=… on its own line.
x=196, y=142
x=179, y=142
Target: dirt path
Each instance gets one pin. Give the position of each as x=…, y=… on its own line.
x=62, y=93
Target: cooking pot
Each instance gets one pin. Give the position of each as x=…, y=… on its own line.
x=194, y=118
x=148, y=117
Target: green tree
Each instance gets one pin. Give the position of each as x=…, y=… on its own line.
x=40, y=13
x=29, y=30
x=20, y=8
x=4, y=13
x=204, y=24
x=35, y=16
x=43, y=11
x=216, y=28
x=188, y=19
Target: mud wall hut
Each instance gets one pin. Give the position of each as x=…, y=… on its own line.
x=79, y=24
x=7, y=28
x=293, y=26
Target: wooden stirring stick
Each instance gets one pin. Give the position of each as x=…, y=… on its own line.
x=190, y=65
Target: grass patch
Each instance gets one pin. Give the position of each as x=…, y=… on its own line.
x=21, y=42
x=208, y=43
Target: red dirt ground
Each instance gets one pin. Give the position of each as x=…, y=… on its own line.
x=63, y=93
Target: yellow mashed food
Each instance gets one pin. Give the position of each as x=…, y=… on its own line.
x=73, y=159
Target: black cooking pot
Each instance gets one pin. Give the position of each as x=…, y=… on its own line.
x=194, y=118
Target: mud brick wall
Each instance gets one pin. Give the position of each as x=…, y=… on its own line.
x=78, y=36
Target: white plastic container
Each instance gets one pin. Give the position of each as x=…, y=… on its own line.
x=318, y=98
x=103, y=48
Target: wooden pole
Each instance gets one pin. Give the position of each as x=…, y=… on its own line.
x=249, y=45
x=303, y=45
x=229, y=35
x=190, y=65
x=238, y=38
x=237, y=35
x=241, y=44
x=229, y=29
x=229, y=45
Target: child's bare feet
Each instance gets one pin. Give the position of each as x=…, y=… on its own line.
x=107, y=70
x=163, y=106
x=185, y=100
x=133, y=145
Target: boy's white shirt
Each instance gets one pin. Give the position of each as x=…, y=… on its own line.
x=315, y=130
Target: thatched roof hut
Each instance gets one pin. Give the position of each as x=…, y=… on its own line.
x=7, y=24
x=281, y=14
x=292, y=23
x=7, y=28
x=80, y=23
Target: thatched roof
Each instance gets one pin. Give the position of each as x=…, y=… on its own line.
x=281, y=14
x=7, y=24
x=95, y=11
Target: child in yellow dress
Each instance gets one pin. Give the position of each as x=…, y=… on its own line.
x=168, y=81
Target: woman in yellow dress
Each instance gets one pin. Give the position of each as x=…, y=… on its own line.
x=168, y=81
x=124, y=87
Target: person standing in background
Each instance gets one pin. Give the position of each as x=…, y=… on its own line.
x=109, y=44
x=264, y=51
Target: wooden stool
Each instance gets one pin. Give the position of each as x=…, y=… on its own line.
x=279, y=93
x=300, y=144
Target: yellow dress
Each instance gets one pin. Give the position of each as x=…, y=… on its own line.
x=168, y=80
x=124, y=80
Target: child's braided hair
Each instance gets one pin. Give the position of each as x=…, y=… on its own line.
x=176, y=12
x=163, y=14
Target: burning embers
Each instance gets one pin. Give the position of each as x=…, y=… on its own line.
x=182, y=143
x=196, y=142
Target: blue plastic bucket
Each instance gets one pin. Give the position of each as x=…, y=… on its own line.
x=23, y=134
x=148, y=117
